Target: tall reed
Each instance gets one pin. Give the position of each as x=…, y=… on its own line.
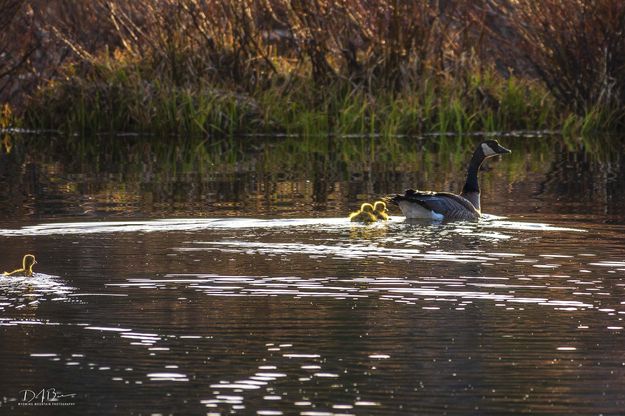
x=348, y=66
x=576, y=47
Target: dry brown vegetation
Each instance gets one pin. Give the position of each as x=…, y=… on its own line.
x=576, y=47
x=317, y=54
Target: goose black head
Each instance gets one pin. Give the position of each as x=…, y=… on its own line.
x=492, y=148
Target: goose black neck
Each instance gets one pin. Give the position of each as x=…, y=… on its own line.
x=471, y=185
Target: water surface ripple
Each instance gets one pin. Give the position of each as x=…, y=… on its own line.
x=237, y=286
x=320, y=316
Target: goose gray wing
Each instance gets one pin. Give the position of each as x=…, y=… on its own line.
x=450, y=206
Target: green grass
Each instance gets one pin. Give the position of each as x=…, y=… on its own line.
x=121, y=96
x=198, y=68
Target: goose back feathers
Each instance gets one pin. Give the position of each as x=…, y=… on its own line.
x=436, y=205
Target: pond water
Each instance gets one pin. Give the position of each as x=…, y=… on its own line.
x=171, y=281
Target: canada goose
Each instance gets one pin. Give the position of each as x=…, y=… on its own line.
x=380, y=211
x=27, y=267
x=444, y=205
x=364, y=214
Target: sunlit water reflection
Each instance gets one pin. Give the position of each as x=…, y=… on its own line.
x=22, y=292
x=321, y=316
x=314, y=315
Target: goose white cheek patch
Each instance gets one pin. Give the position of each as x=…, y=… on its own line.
x=488, y=151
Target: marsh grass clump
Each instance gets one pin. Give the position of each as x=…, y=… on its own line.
x=384, y=67
x=575, y=47
x=120, y=99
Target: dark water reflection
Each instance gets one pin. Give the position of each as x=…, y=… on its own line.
x=166, y=287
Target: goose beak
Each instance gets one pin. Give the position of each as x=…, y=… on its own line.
x=502, y=150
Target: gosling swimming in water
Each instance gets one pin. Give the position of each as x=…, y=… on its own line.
x=380, y=211
x=27, y=267
x=364, y=214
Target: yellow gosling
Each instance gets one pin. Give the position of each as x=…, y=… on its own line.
x=380, y=211
x=27, y=267
x=364, y=214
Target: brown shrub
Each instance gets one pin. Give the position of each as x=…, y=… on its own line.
x=576, y=47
